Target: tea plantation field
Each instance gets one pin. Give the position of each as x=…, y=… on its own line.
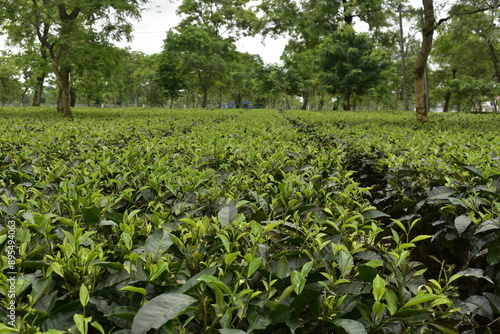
x=248, y=221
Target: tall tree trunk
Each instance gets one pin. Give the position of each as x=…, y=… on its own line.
x=37, y=96
x=205, y=98
x=347, y=101
x=403, y=59
x=72, y=95
x=62, y=76
x=428, y=27
x=494, y=59
x=447, y=97
x=238, y=100
x=305, y=101
x=321, y=103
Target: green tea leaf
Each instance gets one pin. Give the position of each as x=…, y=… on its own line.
x=214, y=281
x=412, y=315
x=378, y=308
x=157, y=243
x=142, y=291
x=475, y=272
x=378, y=288
x=227, y=215
x=231, y=331
x=462, y=223
x=420, y=299
x=350, y=326
x=82, y=323
x=6, y=329
x=392, y=301
x=84, y=295
x=282, y=267
x=420, y=238
x=253, y=266
x=444, y=327
x=92, y=215
x=159, y=310
x=229, y=258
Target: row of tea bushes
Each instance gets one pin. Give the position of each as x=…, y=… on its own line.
x=197, y=221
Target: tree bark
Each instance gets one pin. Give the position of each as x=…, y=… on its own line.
x=428, y=27
x=72, y=95
x=305, y=101
x=447, y=97
x=62, y=76
x=37, y=96
x=347, y=101
x=205, y=98
x=494, y=59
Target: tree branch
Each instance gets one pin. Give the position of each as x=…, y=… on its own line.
x=479, y=10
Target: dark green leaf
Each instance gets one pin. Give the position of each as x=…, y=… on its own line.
x=193, y=281
x=480, y=305
x=488, y=225
x=231, y=331
x=444, y=327
x=372, y=214
x=441, y=193
x=258, y=320
x=92, y=215
x=158, y=242
x=227, y=215
x=412, y=315
x=350, y=326
x=494, y=301
x=159, y=310
x=474, y=272
x=462, y=223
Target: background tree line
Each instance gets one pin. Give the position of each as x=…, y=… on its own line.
x=67, y=57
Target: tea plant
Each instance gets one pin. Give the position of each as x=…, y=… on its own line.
x=255, y=221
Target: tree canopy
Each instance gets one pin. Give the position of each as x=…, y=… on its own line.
x=343, y=52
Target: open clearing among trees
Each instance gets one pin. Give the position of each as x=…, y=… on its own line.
x=249, y=221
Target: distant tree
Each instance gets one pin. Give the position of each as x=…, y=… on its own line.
x=275, y=80
x=170, y=76
x=200, y=54
x=465, y=75
x=429, y=25
x=351, y=64
x=222, y=18
x=65, y=29
x=240, y=83
x=10, y=86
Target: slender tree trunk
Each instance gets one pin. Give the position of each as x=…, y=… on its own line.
x=238, y=100
x=403, y=59
x=72, y=95
x=321, y=103
x=447, y=97
x=37, y=96
x=419, y=69
x=205, y=98
x=347, y=101
x=494, y=59
x=305, y=101
x=62, y=76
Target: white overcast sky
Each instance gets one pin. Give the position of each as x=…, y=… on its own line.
x=160, y=16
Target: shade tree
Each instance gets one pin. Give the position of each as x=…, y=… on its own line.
x=351, y=64
x=199, y=54
x=10, y=85
x=65, y=30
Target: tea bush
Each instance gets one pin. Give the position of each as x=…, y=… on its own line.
x=249, y=221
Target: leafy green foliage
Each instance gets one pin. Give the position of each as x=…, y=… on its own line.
x=257, y=221
x=350, y=64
